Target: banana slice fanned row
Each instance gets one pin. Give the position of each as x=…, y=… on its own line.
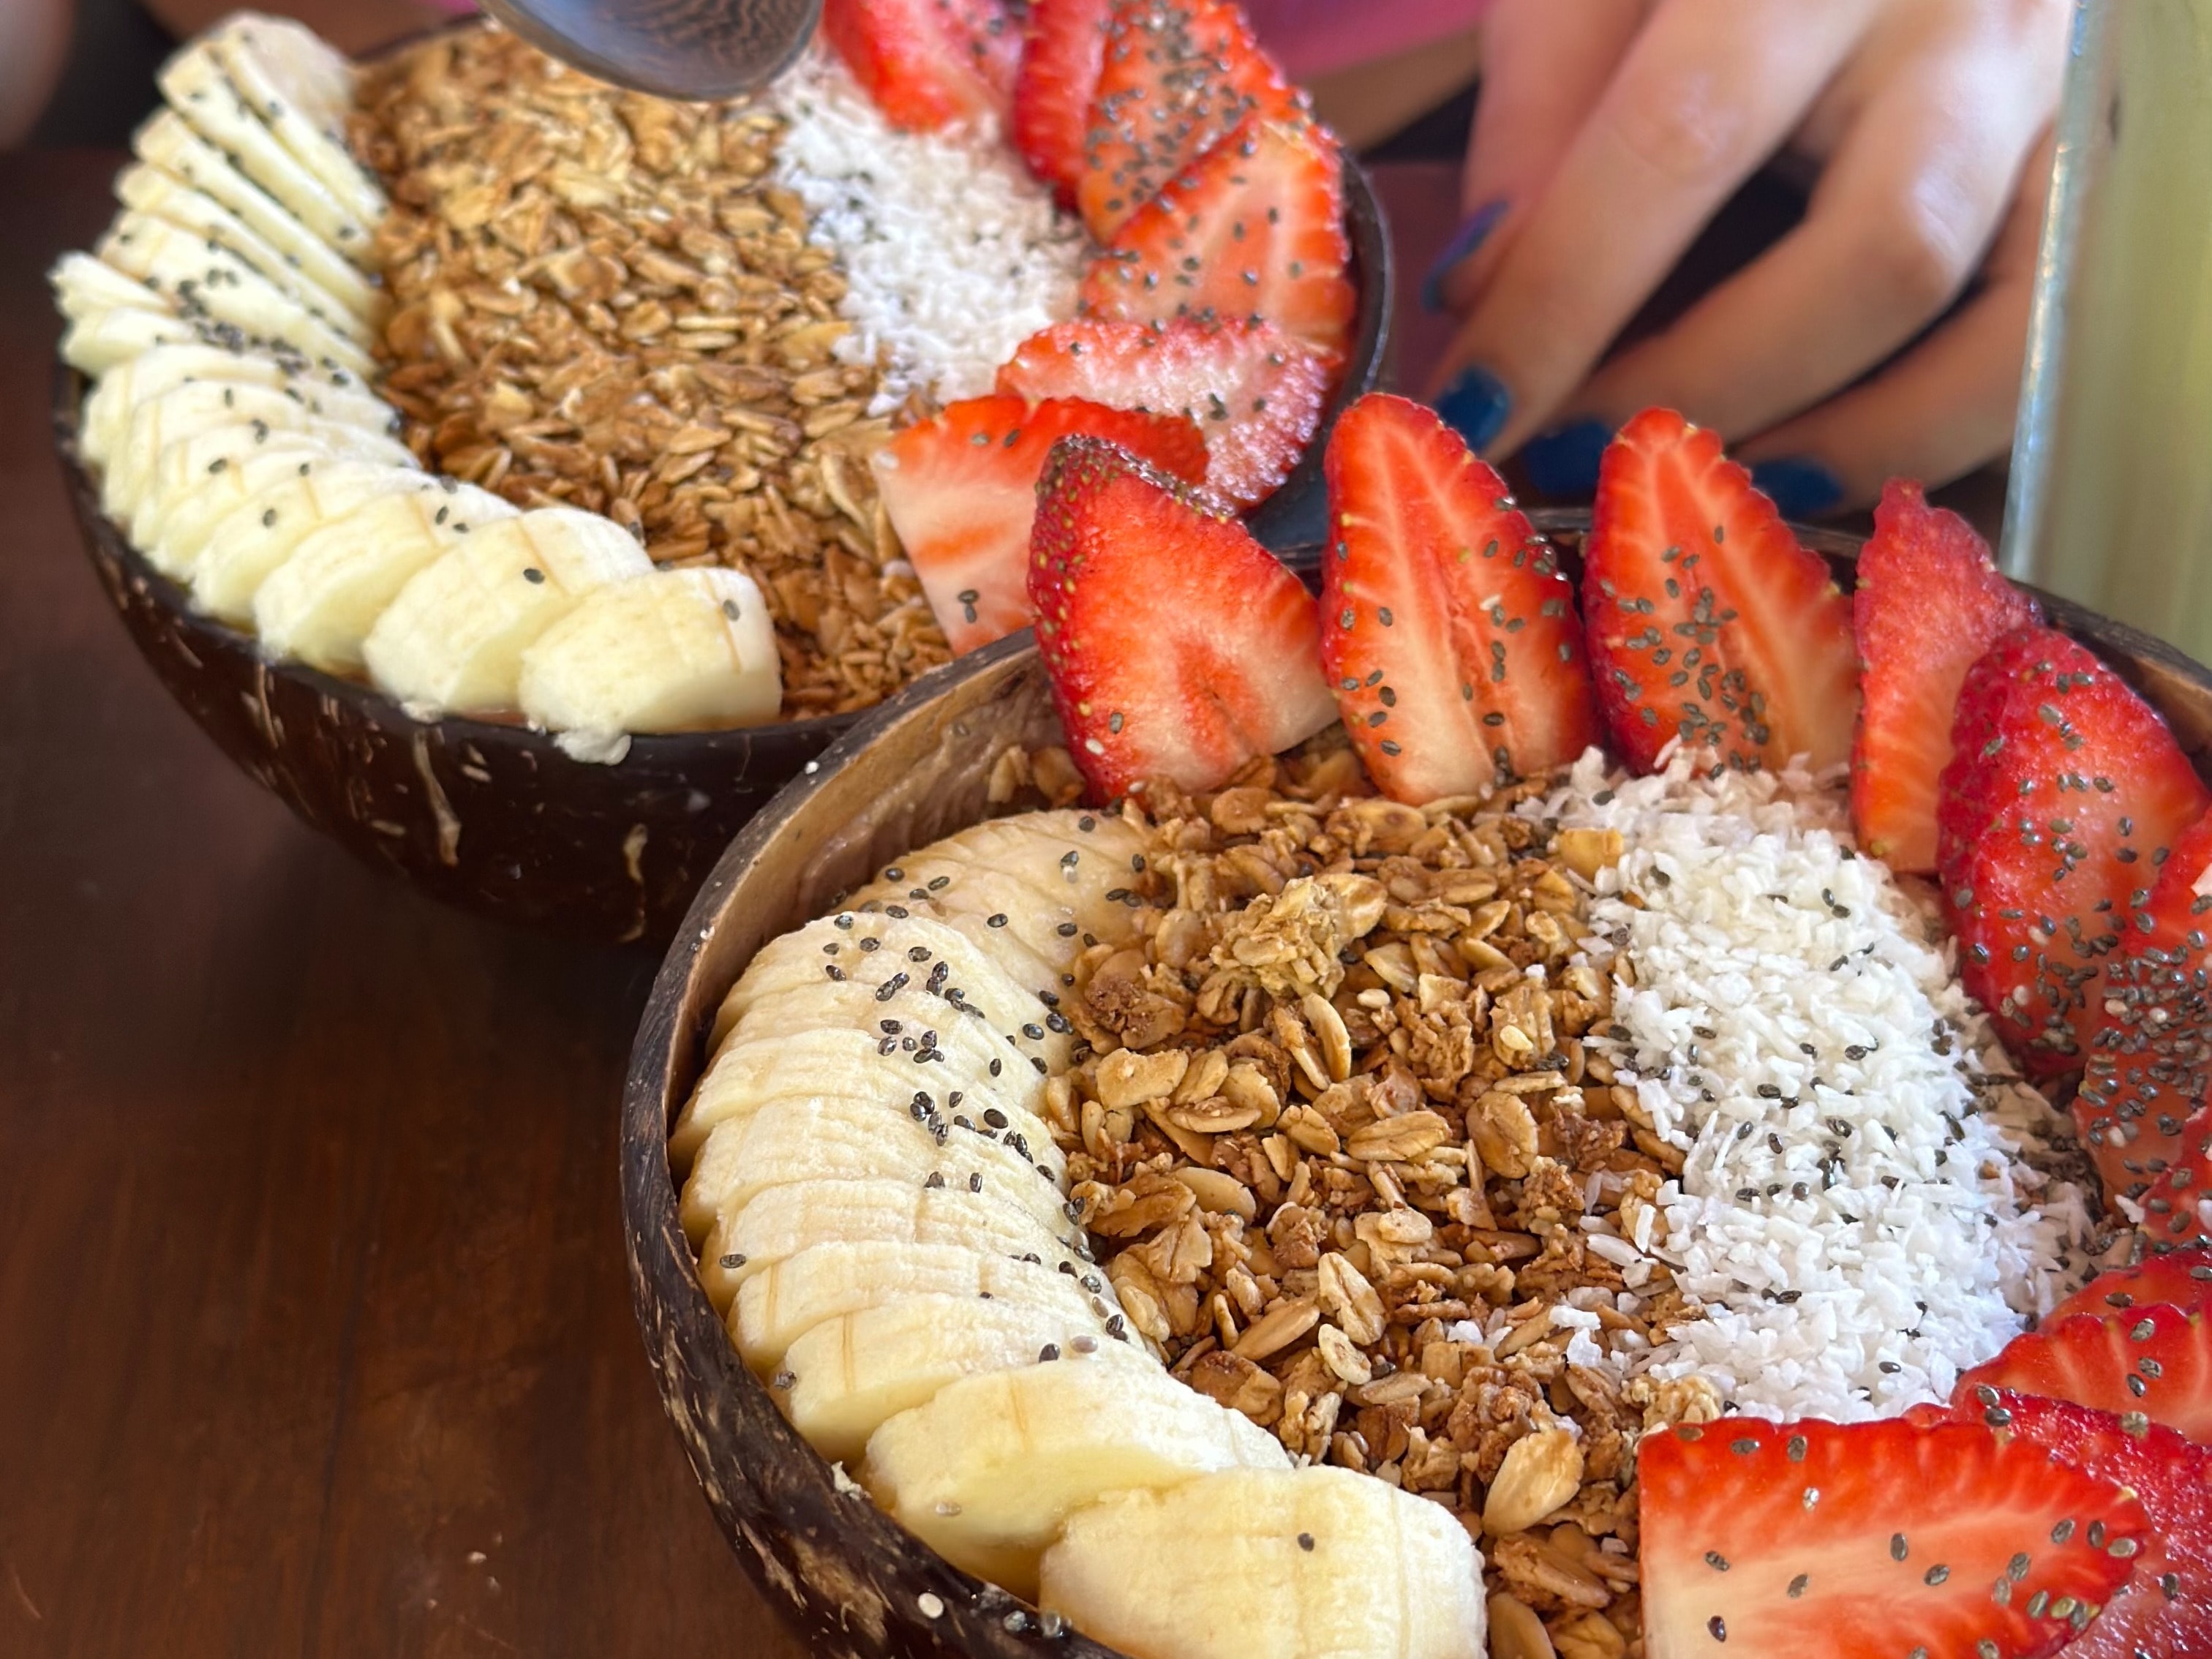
x=229, y=318
x=873, y=1182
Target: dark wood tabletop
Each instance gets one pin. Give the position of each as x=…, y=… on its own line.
x=315, y=1333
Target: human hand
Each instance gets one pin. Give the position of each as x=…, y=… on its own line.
x=1608, y=133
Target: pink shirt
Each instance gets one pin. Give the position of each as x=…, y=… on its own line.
x=1316, y=37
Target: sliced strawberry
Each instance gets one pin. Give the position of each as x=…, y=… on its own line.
x=927, y=64
x=1177, y=77
x=2177, y=1206
x=2165, y=1607
x=1179, y=647
x=2183, y=1279
x=1929, y=601
x=1706, y=620
x=1255, y=393
x=2066, y=791
x=1872, y=1540
x=961, y=490
x=2157, y=1361
x=1255, y=228
x=1063, y=49
x=1447, y=630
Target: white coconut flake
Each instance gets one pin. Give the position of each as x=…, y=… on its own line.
x=1864, y=1209
x=953, y=254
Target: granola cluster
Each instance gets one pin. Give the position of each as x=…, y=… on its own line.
x=602, y=299
x=1356, y=1167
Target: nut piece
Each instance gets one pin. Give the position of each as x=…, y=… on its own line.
x=1515, y=1631
x=1586, y=851
x=1281, y=1326
x=1398, y=1139
x=1132, y=1080
x=1540, y=1473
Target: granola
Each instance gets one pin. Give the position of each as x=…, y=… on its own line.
x=1356, y=1167
x=602, y=299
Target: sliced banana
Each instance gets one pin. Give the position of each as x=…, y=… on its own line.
x=782, y=1303
x=321, y=603
x=214, y=450
x=670, y=651
x=148, y=190
x=827, y=1138
x=1270, y=1564
x=990, y=1469
x=252, y=541
x=301, y=89
x=87, y=289
x=111, y=338
x=166, y=141
x=454, y=637
x=334, y=394
x=191, y=408
x=769, y=1063
x=191, y=500
x=782, y=1221
x=212, y=283
x=841, y=1380
x=197, y=88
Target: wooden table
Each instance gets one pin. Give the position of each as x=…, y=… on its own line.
x=314, y=1332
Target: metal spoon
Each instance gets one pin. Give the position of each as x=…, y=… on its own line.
x=693, y=49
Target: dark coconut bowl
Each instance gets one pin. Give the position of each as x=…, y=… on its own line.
x=495, y=818
x=849, y=1576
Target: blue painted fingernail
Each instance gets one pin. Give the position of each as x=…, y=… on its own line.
x=1800, y=486
x=1564, y=461
x=1475, y=405
x=1473, y=231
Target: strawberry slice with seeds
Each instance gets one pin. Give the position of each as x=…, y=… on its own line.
x=961, y=490
x=1706, y=620
x=2165, y=1607
x=2177, y=1206
x=1177, y=77
x=1929, y=600
x=1873, y=1540
x=2183, y=1279
x=2057, y=809
x=927, y=64
x=1254, y=229
x=2155, y=1360
x=1063, y=50
x=1447, y=630
x=1179, y=647
x=1255, y=393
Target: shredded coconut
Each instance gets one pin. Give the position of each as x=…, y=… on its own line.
x=1866, y=1207
x=954, y=254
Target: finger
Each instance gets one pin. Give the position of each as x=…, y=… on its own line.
x=1706, y=93
x=1944, y=407
x=1543, y=68
x=1898, y=225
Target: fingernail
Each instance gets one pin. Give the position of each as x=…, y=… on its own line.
x=1800, y=486
x=1473, y=231
x=1564, y=461
x=1475, y=406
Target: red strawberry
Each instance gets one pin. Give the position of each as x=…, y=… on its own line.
x=1929, y=602
x=2183, y=1279
x=2056, y=812
x=1179, y=647
x=1872, y=1540
x=961, y=490
x=1447, y=631
x=2166, y=1607
x=2177, y=1206
x=1255, y=393
x=1177, y=75
x=1706, y=620
x=927, y=64
x=2157, y=1361
x=1063, y=49
x=1254, y=229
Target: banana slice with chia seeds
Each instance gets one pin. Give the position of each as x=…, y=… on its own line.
x=301, y=89
x=255, y=538
x=333, y=394
x=167, y=142
x=197, y=88
x=160, y=195
x=454, y=637
x=321, y=603
x=86, y=289
x=212, y=283
x=208, y=454
x=137, y=490
x=670, y=651
x=199, y=501
x=109, y=339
